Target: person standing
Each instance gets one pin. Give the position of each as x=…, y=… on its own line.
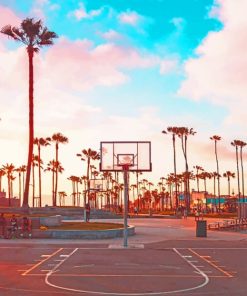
x=87, y=212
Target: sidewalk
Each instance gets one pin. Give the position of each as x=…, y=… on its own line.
x=148, y=230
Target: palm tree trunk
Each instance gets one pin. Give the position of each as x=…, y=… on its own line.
x=217, y=164
x=242, y=171
x=33, y=181
x=238, y=173
x=229, y=191
x=56, y=176
x=175, y=169
x=39, y=155
x=19, y=186
x=53, y=177
x=88, y=180
x=31, y=128
x=9, y=189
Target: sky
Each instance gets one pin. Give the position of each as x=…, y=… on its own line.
x=126, y=70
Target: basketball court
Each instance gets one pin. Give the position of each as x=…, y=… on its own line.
x=105, y=271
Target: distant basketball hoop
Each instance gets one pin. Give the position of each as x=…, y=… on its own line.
x=125, y=157
x=135, y=155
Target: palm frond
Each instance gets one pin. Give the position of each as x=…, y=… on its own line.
x=7, y=30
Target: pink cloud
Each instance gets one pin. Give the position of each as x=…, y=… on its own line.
x=218, y=73
x=85, y=66
x=8, y=17
x=130, y=18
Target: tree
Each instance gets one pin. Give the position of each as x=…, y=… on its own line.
x=198, y=168
x=90, y=155
x=57, y=138
x=173, y=130
x=183, y=133
x=236, y=144
x=229, y=175
x=54, y=166
x=40, y=142
x=34, y=36
x=2, y=173
x=216, y=138
x=241, y=145
x=9, y=169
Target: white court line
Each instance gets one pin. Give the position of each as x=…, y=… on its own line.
x=42, y=261
x=200, y=272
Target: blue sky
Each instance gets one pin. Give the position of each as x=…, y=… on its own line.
x=128, y=69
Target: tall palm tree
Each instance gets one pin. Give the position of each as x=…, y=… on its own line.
x=242, y=144
x=54, y=167
x=33, y=35
x=236, y=144
x=40, y=142
x=229, y=175
x=183, y=133
x=18, y=170
x=23, y=169
x=90, y=155
x=2, y=173
x=9, y=169
x=173, y=130
x=35, y=163
x=216, y=138
x=62, y=195
x=198, y=168
x=57, y=138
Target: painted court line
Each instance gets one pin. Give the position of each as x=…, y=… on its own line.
x=205, y=258
x=201, y=275
x=42, y=261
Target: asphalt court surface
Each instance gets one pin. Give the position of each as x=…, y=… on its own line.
x=91, y=270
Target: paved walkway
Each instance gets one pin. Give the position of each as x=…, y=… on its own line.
x=149, y=230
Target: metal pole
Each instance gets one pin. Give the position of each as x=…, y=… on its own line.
x=125, y=206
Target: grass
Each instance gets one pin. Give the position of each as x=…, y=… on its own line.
x=86, y=226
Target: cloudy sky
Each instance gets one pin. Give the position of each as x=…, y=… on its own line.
x=125, y=70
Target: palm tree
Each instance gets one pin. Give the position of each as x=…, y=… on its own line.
x=33, y=35
x=216, y=138
x=62, y=195
x=242, y=144
x=229, y=175
x=183, y=133
x=198, y=168
x=89, y=154
x=236, y=144
x=40, y=142
x=23, y=169
x=9, y=169
x=57, y=138
x=173, y=130
x=18, y=170
x=2, y=173
x=35, y=163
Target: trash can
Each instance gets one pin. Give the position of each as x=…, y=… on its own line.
x=201, y=228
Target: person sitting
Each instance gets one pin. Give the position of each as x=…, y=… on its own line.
x=26, y=227
x=12, y=230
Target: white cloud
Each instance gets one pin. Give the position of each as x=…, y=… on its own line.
x=82, y=13
x=218, y=73
x=167, y=66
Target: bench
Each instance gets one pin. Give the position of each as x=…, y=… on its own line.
x=235, y=224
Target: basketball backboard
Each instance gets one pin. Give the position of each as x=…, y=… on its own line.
x=115, y=155
x=98, y=185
